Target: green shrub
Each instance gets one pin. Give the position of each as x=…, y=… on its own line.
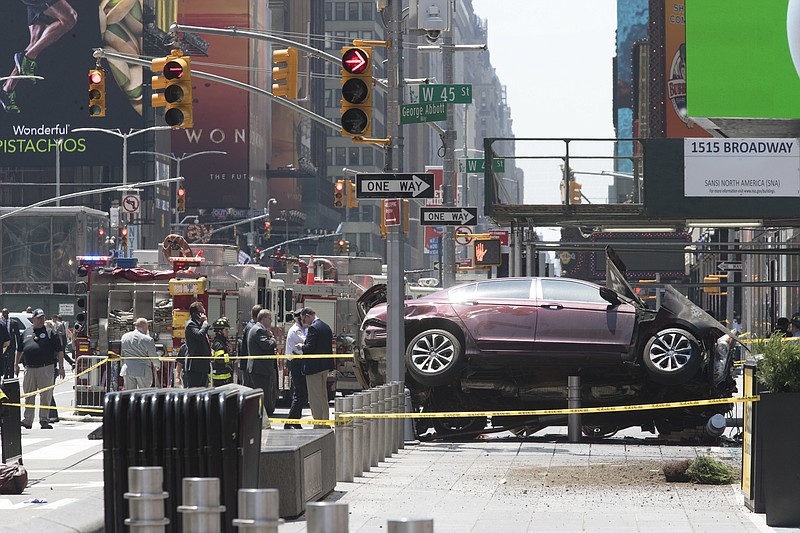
x=706, y=470
x=779, y=370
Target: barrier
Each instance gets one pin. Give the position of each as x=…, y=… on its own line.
x=96, y=375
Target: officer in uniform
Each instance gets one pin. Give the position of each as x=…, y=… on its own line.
x=221, y=368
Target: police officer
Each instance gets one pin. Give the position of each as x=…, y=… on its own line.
x=221, y=368
x=41, y=350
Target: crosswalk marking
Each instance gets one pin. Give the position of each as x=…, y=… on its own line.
x=61, y=450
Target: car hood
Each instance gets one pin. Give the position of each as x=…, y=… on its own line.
x=615, y=278
x=373, y=296
x=676, y=305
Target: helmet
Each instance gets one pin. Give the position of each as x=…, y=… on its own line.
x=222, y=323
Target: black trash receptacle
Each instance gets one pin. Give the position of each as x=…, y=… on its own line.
x=10, y=428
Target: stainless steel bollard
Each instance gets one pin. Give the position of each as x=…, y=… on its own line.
x=397, y=428
x=387, y=422
x=146, y=499
x=338, y=438
x=574, y=402
x=409, y=436
x=201, y=510
x=344, y=450
x=327, y=517
x=381, y=402
x=258, y=511
x=358, y=436
x=366, y=444
x=376, y=436
x=410, y=525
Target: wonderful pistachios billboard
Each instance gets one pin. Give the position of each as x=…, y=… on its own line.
x=743, y=58
x=45, y=57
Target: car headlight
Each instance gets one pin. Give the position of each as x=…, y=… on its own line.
x=722, y=354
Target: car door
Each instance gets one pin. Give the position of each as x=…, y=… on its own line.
x=574, y=318
x=500, y=314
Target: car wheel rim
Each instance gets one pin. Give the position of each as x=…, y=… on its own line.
x=671, y=351
x=432, y=354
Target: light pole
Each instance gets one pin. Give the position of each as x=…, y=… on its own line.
x=59, y=142
x=178, y=167
x=125, y=137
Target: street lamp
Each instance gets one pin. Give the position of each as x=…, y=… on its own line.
x=178, y=166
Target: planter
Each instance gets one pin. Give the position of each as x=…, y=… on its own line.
x=778, y=426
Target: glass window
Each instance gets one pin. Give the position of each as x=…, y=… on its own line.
x=518, y=289
x=329, y=156
x=353, y=35
x=339, y=11
x=353, y=11
x=366, y=11
x=65, y=247
x=465, y=292
x=341, y=156
x=352, y=156
x=328, y=41
x=328, y=10
x=570, y=291
x=367, y=35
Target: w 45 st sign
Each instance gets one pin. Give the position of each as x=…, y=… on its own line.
x=435, y=94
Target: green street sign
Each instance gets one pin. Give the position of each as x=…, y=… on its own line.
x=417, y=113
x=475, y=166
x=450, y=94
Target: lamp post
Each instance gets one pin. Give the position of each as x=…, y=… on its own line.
x=178, y=166
x=59, y=142
x=125, y=137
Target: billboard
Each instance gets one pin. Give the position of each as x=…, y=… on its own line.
x=743, y=58
x=55, y=43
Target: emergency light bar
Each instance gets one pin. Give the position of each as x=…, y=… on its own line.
x=97, y=260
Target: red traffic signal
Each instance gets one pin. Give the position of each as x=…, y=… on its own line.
x=95, y=77
x=355, y=60
x=123, y=232
x=173, y=70
x=181, y=191
x=101, y=232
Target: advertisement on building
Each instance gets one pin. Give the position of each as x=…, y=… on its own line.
x=743, y=58
x=222, y=119
x=678, y=122
x=50, y=45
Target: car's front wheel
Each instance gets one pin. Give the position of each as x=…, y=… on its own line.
x=672, y=356
x=434, y=357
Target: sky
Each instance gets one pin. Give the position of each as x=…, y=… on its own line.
x=555, y=57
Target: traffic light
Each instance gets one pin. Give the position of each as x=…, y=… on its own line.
x=267, y=229
x=172, y=88
x=123, y=237
x=351, y=194
x=284, y=73
x=575, y=195
x=356, y=91
x=487, y=252
x=338, y=194
x=341, y=247
x=180, y=200
x=97, y=93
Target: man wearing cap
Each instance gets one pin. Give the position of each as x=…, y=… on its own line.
x=295, y=336
x=139, y=357
x=41, y=350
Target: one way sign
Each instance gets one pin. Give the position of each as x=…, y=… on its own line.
x=729, y=265
x=394, y=186
x=448, y=216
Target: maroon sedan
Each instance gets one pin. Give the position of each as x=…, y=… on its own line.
x=511, y=343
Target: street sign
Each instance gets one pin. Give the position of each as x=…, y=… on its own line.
x=417, y=113
x=448, y=216
x=487, y=253
x=391, y=212
x=475, y=166
x=432, y=93
x=729, y=265
x=463, y=235
x=131, y=203
x=394, y=186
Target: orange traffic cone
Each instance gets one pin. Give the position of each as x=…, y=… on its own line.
x=310, y=280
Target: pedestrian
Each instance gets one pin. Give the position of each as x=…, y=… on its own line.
x=221, y=368
x=139, y=357
x=41, y=351
x=29, y=309
x=241, y=364
x=319, y=340
x=781, y=327
x=198, y=361
x=180, y=364
x=261, y=371
x=60, y=328
x=10, y=333
x=794, y=326
x=295, y=336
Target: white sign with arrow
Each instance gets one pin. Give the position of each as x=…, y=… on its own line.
x=394, y=186
x=448, y=216
x=729, y=265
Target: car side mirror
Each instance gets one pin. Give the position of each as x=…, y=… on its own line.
x=609, y=296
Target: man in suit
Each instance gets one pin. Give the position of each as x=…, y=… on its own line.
x=319, y=340
x=9, y=332
x=260, y=371
x=198, y=361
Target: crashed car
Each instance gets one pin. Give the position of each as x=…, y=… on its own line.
x=512, y=343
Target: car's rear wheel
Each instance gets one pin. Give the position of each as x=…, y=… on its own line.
x=445, y=400
x=434, y=357
x=672, y=356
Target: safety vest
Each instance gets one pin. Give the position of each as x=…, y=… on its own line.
x=221, y=361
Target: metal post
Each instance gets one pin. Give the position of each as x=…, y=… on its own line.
x=177, y=186
x=380, y=408
x=327, y=517
x=146, y=499
x=59, y=142
x=410, y=525
x=358, y=436
x=448, y=265
x=366, y=444
x=201, y=510
x=376, y=438
x=397, y=427
x=409, y=437
x=574, y=402
x=387, y=422
x=344, y=439
x=258, y=511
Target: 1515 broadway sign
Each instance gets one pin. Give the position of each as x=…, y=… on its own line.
x=741, y=167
